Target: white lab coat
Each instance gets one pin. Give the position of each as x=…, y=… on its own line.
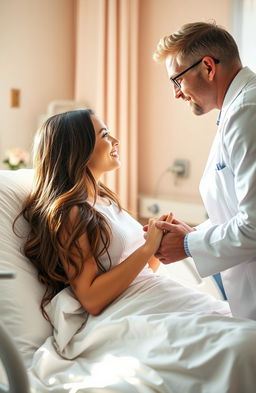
x=227, y=243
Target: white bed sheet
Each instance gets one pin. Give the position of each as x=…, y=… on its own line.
x=140, y=343
x=125, y=349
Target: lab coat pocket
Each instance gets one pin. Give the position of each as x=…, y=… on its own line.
x=220, y=166
x=226, y=188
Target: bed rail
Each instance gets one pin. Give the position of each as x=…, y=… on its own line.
x=11, y=359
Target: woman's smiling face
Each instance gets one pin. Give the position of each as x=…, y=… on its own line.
x=105, y=155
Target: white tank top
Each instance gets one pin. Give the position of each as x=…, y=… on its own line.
x=126, y=237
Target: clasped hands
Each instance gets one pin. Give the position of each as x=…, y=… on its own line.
x=172, y=244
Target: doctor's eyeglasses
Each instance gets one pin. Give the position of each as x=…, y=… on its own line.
x=175, y=79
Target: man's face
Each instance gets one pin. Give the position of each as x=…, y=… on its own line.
x=195, y=86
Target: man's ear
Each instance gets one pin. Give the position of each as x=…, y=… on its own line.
x=209, y=67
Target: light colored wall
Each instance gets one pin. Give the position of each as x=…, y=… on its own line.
x=40, y=56
x=87, y=51
x=244, y=30
x=37, y=41
x=167, y=128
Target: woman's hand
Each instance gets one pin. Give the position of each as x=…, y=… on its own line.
x=154, y=235
x=165, y=217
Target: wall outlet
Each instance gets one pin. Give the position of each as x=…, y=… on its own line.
x=180, y=168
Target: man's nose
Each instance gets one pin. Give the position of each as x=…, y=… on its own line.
x=177, y=92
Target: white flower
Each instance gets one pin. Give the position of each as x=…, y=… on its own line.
x=15, y=157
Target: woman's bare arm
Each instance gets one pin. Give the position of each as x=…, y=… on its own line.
x=96, y=291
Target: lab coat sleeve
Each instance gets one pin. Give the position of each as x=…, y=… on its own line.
x=204, y=225
x=233, y=242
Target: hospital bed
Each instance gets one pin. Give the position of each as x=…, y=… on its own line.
x=22, y=328
x=12, y=361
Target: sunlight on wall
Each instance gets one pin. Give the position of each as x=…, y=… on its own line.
x=244, y=30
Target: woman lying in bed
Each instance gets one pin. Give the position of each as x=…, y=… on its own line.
x=82, y=238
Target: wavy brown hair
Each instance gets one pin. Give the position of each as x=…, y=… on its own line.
x=62, y=149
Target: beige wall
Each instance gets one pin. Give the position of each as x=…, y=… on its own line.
x=87, y=50
x=40, y=56
x=167, y=128
x=37, y=41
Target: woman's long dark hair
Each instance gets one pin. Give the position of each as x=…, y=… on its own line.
x=62, y=149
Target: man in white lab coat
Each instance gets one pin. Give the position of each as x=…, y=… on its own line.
x=204, y=66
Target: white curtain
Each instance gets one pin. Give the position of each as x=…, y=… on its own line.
x=244, y=30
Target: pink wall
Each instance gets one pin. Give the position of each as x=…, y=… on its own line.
x=168, y=129
x=37, y=57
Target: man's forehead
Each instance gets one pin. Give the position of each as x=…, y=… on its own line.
x=173, y=65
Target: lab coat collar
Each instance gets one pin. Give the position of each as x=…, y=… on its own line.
x=234, y=89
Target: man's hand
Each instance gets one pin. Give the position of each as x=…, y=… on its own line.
x=172, y=245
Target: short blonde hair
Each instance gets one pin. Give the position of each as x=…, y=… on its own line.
x=196, y=40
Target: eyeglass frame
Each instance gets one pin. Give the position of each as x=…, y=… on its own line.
x=174, y=80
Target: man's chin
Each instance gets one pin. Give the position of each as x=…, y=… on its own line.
x=197, y=109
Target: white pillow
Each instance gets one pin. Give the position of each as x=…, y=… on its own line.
x=19, y=297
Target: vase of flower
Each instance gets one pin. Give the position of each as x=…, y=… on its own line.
x=16, y=158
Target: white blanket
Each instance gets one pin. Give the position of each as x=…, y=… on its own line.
x=128, y=349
